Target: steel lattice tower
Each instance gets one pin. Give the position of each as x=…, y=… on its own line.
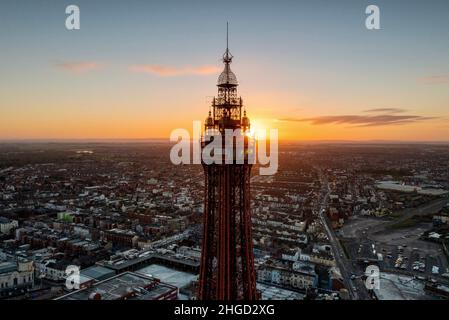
x=227, y=262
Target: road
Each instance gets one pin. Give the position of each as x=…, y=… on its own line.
x=356, y=287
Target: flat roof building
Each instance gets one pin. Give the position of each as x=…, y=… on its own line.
x=98, y=273
x=125, y=286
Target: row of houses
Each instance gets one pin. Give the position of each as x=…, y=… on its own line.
x=288, y=278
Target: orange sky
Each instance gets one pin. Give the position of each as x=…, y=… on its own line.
x=327, y=78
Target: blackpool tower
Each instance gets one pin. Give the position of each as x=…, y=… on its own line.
x=227, y=261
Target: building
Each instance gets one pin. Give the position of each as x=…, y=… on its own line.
x=98, y=273
x=53, y=270
x=291, y=254
x=6, y=225
x=125, y=286
x=288, y=278
x=121, y=238
x=442, y=217
x=192, y=253
x=16, y=277
x=65, y=216
x=227, y=261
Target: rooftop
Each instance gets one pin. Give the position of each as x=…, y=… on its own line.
x=4, y=220
x=125, y=286
x=6, y=267
x=98, y=272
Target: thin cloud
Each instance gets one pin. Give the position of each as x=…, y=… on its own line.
x=79, y=67
x=363, y=120
x=170, y=71
x=437, y=79
x=385, y=110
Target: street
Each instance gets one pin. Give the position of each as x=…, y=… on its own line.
x=356, y=287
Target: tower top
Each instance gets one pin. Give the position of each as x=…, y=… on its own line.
x=227, y=57
x=227, y=78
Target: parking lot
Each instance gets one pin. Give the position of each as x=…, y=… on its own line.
x=399, y=250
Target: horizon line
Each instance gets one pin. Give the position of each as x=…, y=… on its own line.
x=121, y=140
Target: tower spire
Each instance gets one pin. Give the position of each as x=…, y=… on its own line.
x=227, y=57
x=227, y=77
x=227, y=36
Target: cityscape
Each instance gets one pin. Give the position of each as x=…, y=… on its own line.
x=329, y=212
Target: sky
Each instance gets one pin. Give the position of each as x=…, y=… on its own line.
x=139, y=69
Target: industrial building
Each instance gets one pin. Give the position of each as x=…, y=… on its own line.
x=125, y=286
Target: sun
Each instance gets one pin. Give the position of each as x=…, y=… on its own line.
x=258, y=129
